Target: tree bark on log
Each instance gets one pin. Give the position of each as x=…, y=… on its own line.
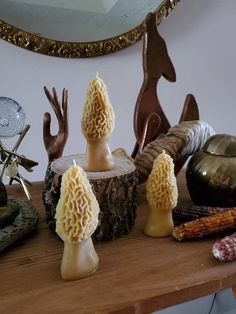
x=115, y=191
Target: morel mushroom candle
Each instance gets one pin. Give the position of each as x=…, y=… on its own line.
x=98, y=122
x=162, y=195
x=76, y=220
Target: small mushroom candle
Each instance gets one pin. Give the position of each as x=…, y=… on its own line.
x=162, y=195
x=76, y=220
x=98, y=122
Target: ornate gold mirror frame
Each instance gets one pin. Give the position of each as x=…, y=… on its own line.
x=64, y=49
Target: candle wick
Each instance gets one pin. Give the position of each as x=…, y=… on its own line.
x=74, y=162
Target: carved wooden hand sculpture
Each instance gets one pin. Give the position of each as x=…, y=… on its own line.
x=55, y=144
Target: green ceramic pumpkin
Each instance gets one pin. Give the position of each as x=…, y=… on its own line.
x=211, y=173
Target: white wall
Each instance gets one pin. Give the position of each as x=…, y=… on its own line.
x=200, y=36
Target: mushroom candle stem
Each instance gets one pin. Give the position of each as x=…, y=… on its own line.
x=98, y=156
x=159, y=224
x=79, y=260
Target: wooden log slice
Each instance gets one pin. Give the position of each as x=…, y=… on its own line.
x=115, y=191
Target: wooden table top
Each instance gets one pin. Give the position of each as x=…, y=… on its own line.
x=137, y=274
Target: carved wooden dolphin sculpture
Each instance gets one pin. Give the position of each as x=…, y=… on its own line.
x=149, y=118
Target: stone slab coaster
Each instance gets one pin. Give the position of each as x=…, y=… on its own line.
x=8, y=214
x=24, y=222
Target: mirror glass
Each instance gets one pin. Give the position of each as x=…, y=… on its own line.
x=78, y=21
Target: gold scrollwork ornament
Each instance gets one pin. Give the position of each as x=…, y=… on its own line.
x=63, y=49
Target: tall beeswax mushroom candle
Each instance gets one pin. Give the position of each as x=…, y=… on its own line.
x=76, y=220
x=98, y=122
x=162, y=195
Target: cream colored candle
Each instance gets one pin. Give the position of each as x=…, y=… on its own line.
x=162, y=195
x=76, y=220
x=98, y=122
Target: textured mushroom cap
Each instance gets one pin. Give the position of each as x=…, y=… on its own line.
x=77, y=210
x=162, y=191
x=98, y=118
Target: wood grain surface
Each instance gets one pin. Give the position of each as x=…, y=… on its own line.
x=137, y=274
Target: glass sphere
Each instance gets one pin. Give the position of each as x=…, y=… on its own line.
x=12, y=117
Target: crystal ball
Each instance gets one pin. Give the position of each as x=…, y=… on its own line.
x=12, y=117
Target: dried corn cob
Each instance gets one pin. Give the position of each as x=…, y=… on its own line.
x=205, y=226
x=184, y=212
x=225, y=249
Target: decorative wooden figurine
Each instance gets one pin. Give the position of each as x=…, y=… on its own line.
x=55, y=144
x=149, y=118
x=98, y=122
x=76, y=220
x=162, y=195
